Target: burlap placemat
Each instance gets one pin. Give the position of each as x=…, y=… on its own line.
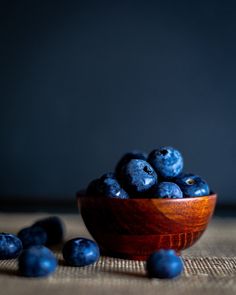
x=210, y=266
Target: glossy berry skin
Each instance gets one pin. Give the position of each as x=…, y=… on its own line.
x=10, y=246
x=127, y=157
x=32, y=236
x=164, y=264
x=168, y=190
x=167, y=161
x=110, y=187
x=193, y=185
x=37, y=261
x=80, y=252
x=139, y=178
x=54, y=228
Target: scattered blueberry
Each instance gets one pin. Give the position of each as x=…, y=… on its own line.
x=193, y=185
x=32, y=236
x=110, y=187
x=10, y=246
x=37, y=261
x=53, y=227
x=80, y=252
x=167, y=161
x=126, y=158
x=138, y=177
x=164, y=264
x=168, y=190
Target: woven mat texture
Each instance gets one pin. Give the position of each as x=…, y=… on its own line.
x=210, y=266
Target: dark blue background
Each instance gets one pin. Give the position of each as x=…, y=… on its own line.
x=84, y=81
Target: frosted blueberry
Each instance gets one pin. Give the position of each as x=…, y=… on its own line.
x=167, y=161
x=10, y=246
x=80, y=252
x=54, y=228
x=37, y=261
x=164, y=264
x=193, y=185
x=168, y=190
x=138, y=177
x=32, y=236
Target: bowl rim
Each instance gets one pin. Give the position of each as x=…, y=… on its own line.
x=82, y=195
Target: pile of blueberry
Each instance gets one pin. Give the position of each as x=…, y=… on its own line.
x=31, y=244
x=157, y=175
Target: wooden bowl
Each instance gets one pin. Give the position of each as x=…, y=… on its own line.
x=134, y=228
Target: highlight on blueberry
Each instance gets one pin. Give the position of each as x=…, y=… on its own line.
x=138, y=177
x=80, y=252
x=167, y=161
x=10, y=246
x=32, y=236
x=193, y=185
x=169, y=190
x=164, y=264
x=37, y=261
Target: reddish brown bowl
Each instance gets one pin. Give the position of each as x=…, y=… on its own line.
x=134, y=228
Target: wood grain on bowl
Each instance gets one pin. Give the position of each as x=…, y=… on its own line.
x=134, y=228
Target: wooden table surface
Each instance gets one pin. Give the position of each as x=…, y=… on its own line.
x=210, y=266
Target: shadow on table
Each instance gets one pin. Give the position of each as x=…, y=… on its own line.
x=109, y=270
x=124, y=273
x=9, y=272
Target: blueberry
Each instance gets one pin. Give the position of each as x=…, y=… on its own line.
x=167, y=161
x=108, y=175
x=92, y=189
x=80, y=252
x=164, y=264
x=110, y=187
x=32, y=236
x=126, y=158
x=54, y=229
x=10, y=246
x=168, y=190
x=192, y=185
x=138, y=177
x=37, y=261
